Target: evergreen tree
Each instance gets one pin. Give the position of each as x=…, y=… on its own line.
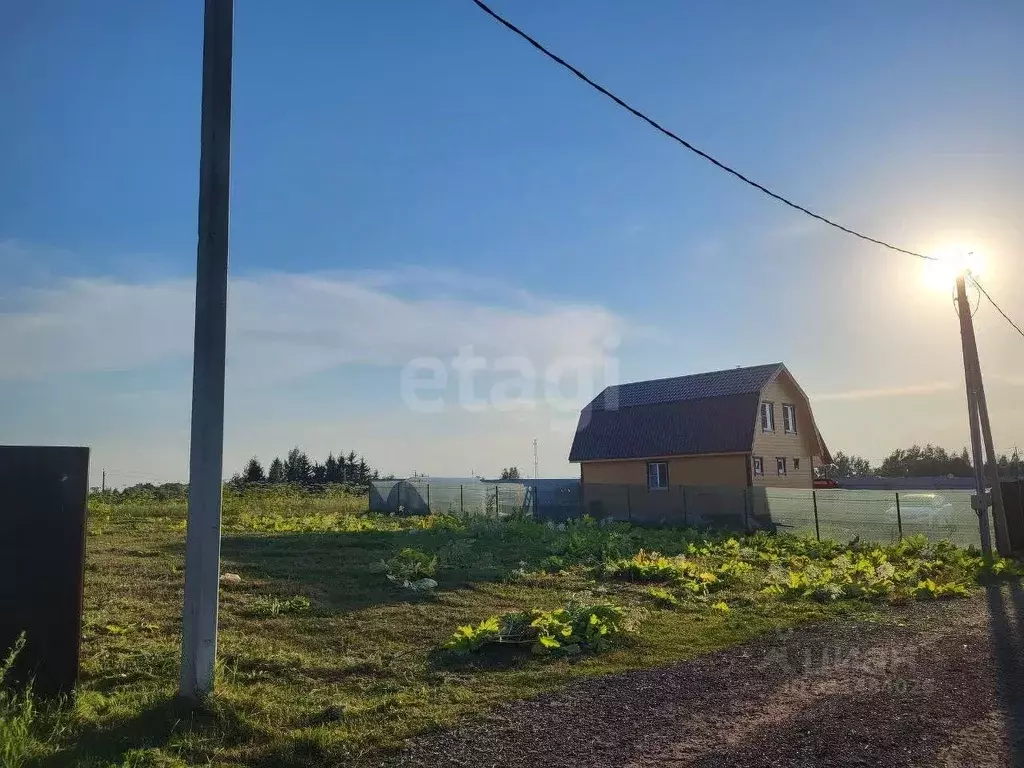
x=297, y=467
x=510, y=473
x=253, y=472
x=332, y=470
x=276, y=472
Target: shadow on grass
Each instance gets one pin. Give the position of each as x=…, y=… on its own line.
x=1007, y=637
x=153, y=728
x=340, y=572
x=497, y=657
x=504, y=657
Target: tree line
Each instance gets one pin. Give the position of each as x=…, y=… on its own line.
x=915, y=461
x=299, y=469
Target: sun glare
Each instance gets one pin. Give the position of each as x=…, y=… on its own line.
x=951, y=261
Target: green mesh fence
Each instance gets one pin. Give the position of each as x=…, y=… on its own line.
x=878, y=516
x=882, y=516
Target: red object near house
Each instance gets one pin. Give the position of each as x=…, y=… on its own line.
x=825, y=482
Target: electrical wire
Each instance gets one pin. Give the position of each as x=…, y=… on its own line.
x=992, y=301
x=719, y=164
x=977, y=302
x=657, y=126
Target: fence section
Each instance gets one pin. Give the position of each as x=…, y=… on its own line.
x=468, y=499
x=872, y=515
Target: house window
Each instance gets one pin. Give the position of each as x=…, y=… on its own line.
x=657, y=475
x=780, y=465
x=758, y=466
x=789, y=418
x=796, y=464
x=767, y=417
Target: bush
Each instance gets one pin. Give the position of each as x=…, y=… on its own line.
x=411, y=565
x=650, y=566
x=697, y=578
x=912, y=569
x=929, y=590
x=579, y=627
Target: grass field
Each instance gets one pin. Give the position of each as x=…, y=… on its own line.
x=324, y=661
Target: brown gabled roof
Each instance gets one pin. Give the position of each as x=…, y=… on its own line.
x=685, y=415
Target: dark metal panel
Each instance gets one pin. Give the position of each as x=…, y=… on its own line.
x=43, y=495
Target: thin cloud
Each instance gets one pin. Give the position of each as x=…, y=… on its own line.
x=285, y=325
x=873, y=394
x=1013, y=381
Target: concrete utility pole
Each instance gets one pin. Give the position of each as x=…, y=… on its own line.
x=202, y=548
x=981, y=430
x=535, y=475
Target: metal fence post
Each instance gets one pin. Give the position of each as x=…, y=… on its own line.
x=629, y=505
x=683, y=489
x=462, y=503
x=535, y=502
x=579, y=501
x=899, y=517
x=817, y=529
x=428, y=498
x=496, y=516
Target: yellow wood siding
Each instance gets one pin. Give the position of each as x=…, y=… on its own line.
x=682, y=470
x=619, y=488
x=771, y=445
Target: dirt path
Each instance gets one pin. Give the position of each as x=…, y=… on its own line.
x=943, y=686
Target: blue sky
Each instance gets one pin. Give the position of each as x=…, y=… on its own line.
x=409, y=179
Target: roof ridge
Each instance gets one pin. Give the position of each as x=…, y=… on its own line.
x=673, y=402
x=687, y=375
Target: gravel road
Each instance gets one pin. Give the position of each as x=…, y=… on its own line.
x=939, y=685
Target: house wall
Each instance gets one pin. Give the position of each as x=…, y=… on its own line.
x=727, y=469
x=702, y=490
x=770, y=445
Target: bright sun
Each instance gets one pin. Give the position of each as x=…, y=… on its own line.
x=950, y=261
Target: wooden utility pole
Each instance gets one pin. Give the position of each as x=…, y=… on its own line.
x=206, y=457
x=981, y=431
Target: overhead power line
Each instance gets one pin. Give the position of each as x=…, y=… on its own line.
x=714, y=161
x=675, y=137
x=993, y=303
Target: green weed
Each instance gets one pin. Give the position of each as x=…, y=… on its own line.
x=27, y=729
x=579, y=627
x=276, y=607
x=662, y=597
